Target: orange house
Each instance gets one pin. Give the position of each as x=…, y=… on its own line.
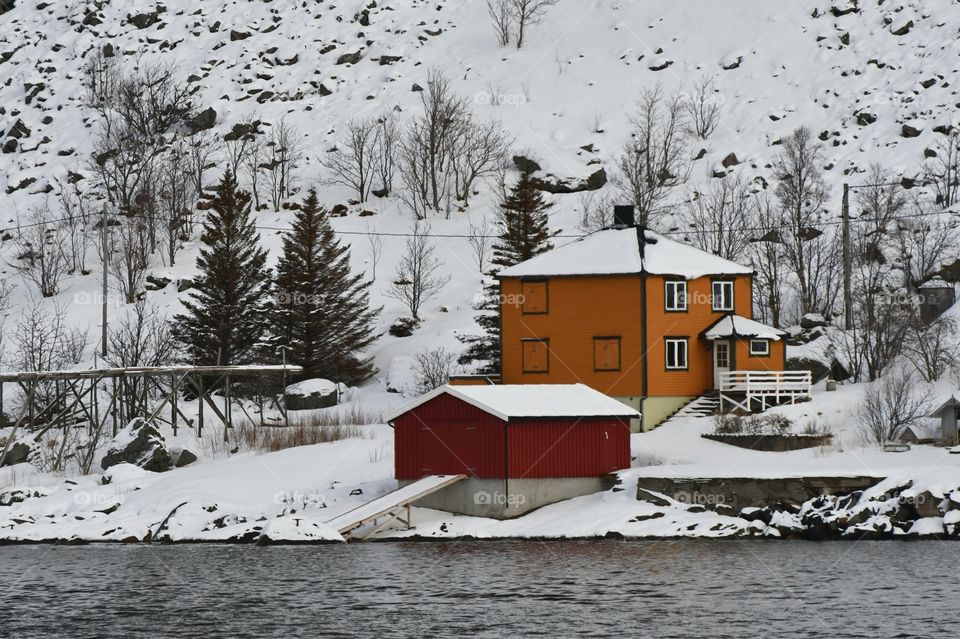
x=636, y=315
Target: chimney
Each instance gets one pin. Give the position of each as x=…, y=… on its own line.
x=623, y=216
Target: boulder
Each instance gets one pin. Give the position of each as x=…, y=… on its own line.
x=903, y=30
x=552, y=184
x=730, y=160
x=184, y=458
x=525, y=165
x=10, y=145
x=139, y=444
x=145, y=20
x=349, y=58
x=155, y=283
x=311, y=394
x=909, y=131
x=812, y=320
x=202, y=121
x=19, y=130
x=18, y=453
x=864, y=118
x=236, y=36
x=184, y=284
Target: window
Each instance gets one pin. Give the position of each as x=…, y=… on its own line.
x=676, y=296
x=721, y=354
x=759, y=348
x=676, y=348
x=535, y=297
x=536, y=355
x=606, y=353
x=722, y=296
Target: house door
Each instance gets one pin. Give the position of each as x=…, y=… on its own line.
x=721, y=360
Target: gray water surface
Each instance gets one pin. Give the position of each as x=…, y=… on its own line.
x=483, y=589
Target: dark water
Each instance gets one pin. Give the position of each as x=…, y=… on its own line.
x=483, y=589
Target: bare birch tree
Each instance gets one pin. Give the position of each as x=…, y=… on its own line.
x=353, y=162
x=655, y=159
x=720, y=215
x=418, y=279
x=527, y=13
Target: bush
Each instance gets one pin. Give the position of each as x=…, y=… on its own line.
x=404, y=327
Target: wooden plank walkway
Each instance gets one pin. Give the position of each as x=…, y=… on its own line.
x=390, y=506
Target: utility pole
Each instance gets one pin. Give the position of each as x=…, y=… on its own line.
x=847, y=260
x=103, y=301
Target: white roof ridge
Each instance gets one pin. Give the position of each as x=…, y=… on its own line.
x=506, y=401
x=617, y=251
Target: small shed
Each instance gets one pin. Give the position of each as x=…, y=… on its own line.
x=936, y=296
x=949, y=415
x=521, y=446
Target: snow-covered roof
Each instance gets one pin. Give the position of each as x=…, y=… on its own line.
x=951, y=402
x=317, y=385
x=616, y=251
x=508, y=401
x=739, y=326
x=936, y=282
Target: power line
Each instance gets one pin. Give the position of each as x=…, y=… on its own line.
x=672, y=232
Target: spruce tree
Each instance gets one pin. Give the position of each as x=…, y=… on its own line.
x=224, y=320
x=321, y=312
x=523, y=223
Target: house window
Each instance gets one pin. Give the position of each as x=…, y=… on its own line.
x=676, y=348
x=722, y=296
x=606, y=353
x=676, y=295
x=536, y=298
x=536, y=355
x=759, y=348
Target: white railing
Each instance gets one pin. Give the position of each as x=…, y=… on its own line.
x=740, y=388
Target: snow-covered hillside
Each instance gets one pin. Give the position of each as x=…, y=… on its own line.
x=566, y=98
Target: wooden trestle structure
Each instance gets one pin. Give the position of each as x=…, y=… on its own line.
x=64, y=399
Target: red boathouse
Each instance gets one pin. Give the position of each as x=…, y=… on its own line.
x=520, y=446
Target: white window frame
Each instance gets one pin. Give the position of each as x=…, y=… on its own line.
x=674, y=344
x=679, y=293
x=766, y=348
x=722, y=302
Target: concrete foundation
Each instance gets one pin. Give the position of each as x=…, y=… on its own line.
x=657, y=409
x=506, y=498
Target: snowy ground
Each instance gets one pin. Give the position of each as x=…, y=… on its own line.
x=288, y=495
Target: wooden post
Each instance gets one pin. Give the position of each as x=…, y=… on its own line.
x=200, y=400
x=173, y=403
x=116, y=403
x=227, y=411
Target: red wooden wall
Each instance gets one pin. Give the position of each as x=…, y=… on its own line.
x=448, y=436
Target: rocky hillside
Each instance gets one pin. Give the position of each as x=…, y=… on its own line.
x=876, y=80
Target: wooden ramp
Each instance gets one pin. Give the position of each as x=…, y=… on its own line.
x=392, y=506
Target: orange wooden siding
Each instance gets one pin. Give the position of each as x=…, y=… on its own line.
x=584, y=314
x=690, y=323
x=580, y=308
x=775, y=361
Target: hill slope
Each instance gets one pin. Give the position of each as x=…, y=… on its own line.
x=776, y=66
